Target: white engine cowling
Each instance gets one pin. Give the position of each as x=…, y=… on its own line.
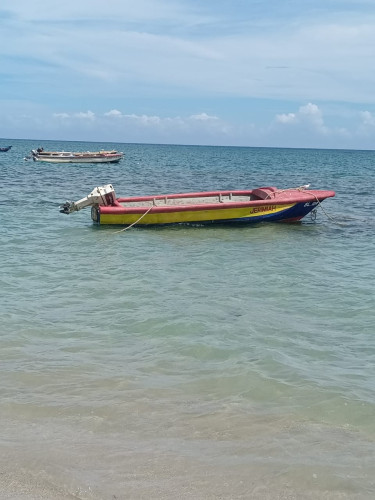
x=101, y=195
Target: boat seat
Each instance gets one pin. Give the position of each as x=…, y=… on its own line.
x=264, y=193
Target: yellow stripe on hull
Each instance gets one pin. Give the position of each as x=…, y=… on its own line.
x=225, y=214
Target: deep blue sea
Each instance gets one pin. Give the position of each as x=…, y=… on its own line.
x=186, y=362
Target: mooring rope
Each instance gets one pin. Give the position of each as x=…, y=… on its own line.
x=134, y=223
x=335, y=221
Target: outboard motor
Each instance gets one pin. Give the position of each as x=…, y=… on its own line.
x=101, y=195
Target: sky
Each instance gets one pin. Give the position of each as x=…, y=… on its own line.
x=261, y=73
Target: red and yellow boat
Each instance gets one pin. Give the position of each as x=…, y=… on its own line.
x=228, y=206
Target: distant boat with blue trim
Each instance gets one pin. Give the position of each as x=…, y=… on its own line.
x=235, y=207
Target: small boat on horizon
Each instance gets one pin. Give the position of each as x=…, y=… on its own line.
x=102, y=156
x=221, y=207
x=4, y=150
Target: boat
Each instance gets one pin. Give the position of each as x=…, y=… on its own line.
x=4, y=150
x=76, y=157
x=228, y=206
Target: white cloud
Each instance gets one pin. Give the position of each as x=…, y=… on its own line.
x=203, y=117
x=312, y=111
x=368, y=119
x=286, y=118
x=88, y=115
x=309, y=115
x=302, y=128
x=114, y=113
x=167, y=44
x=114, y=125
x=144, y=119
x=308, y=128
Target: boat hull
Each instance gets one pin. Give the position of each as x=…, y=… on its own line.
x=75, y=159
x=249, y=214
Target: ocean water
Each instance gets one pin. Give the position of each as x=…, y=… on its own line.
x=187, y=362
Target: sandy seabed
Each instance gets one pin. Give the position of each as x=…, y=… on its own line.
x=52, y=463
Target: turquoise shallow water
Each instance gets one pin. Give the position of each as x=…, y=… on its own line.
x=187, y=362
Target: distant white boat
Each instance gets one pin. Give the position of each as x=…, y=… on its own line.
x=76, y=157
